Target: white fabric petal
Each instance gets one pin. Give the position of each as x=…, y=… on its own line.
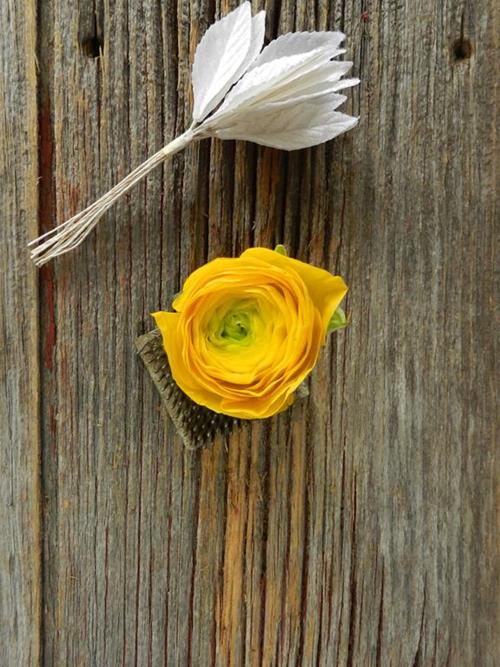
x=331, y=71
x=324, y=79
x=220, y=57
x=314, y=96
x=256, y=42
x=294, y=43
x=271, y=80
x=291, y=127
x=345, y=83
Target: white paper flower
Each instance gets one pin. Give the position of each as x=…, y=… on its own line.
x=285, y=96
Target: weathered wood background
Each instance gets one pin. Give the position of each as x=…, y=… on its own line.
x=360, y=528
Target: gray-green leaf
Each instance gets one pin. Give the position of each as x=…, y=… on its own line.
x=337, y=321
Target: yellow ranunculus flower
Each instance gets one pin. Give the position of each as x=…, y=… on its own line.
x=248, y=330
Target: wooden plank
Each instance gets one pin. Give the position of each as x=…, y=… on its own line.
x=357, y=528
x=20, y=582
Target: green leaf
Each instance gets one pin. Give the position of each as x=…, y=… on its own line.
x=281, y=250
x=337, y=321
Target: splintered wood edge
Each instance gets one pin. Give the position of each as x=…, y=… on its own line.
x=196, y=425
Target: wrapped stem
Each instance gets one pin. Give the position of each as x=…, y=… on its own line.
x=71, y=233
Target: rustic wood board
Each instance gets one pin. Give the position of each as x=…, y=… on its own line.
x=357, y=529
x=20, y=575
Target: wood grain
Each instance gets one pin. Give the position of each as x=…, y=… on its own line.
x=20, y=564
x=358, y=529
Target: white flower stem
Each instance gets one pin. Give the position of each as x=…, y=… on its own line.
x=71, y=233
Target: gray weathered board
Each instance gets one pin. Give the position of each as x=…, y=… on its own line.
x=361, y=527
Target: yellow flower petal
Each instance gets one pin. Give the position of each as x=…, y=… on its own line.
x=168, y=325
x=325, y=289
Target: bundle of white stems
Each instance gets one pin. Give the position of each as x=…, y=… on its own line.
x=284, y=96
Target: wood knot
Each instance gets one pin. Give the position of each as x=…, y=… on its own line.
x=461, y=49
x=92, y=46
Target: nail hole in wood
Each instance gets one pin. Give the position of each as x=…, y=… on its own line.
x=462, y=49
x=92, y=47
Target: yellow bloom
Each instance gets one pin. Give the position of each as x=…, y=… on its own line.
x=248, y=330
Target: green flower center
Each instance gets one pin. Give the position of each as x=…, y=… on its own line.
x=236, y=326
x=239, y=324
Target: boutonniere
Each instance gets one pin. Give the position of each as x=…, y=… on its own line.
x=243, y=336
x=285, y=95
